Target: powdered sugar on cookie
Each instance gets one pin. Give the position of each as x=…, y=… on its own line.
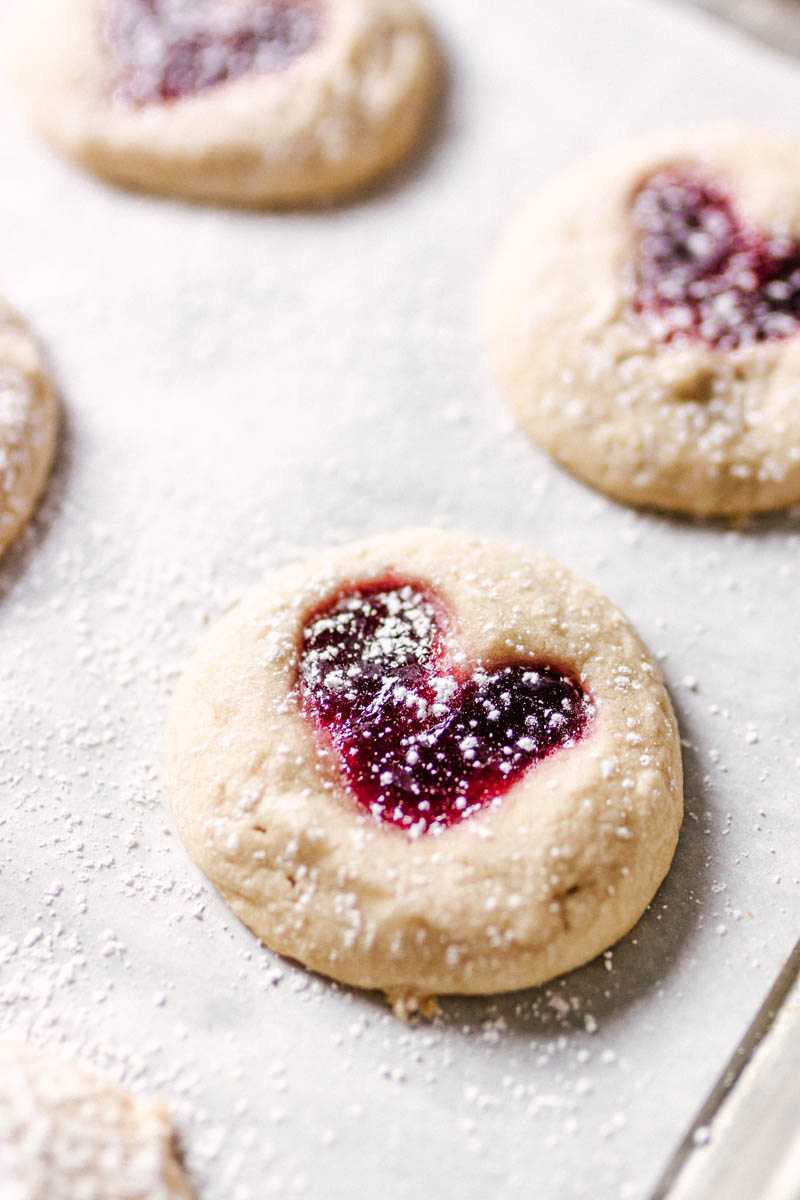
x=257, y=102
x=310, y=818
x=28, y=425
x=68, y=1134
x=643, y=318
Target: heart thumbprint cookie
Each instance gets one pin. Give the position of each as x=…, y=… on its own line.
x=428, y=763
x=644, y=320
x=28, y=424
x=259, y=102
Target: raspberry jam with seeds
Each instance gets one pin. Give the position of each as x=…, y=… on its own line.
x=702, y=272
x=424, y=744
x=167, y=49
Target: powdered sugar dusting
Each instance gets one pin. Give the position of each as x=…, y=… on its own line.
x=703, y=272
x=15, y=442
x=27, y=425
x=167, y=49
x=423, y=742
x=70, y=1135
x=260, y=389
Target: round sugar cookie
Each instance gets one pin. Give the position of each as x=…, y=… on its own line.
x=28, y=424
x=644, y=318
x=68, y=1134
x=428, y=763
x=252, y=102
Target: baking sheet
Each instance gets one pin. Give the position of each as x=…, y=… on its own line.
x=243, y=388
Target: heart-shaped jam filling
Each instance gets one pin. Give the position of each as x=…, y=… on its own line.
x=166, y=49
x=423, y=742
x=703, y=272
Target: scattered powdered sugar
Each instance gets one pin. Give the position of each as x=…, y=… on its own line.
x=244, y=399
x=14, y=406
x=110, y=958
x=17, y=428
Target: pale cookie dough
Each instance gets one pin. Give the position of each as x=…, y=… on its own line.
x=646, y=412
x=68, y=1134
x=28, y=424
x=335, y=102
x=528, y=887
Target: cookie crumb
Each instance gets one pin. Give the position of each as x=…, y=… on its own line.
x=406, y=1005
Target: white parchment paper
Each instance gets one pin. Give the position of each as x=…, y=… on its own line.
x=241, y=388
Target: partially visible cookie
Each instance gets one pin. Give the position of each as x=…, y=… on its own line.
x=644, y=317
x=259, y=102
x=28, y=424
x=428, y=763
x=68, y=1134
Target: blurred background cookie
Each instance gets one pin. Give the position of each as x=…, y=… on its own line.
x=28, y=424
x=69, y=1134
x=644, y=318
x=260, y=102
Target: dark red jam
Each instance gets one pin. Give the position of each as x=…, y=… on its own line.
x=423, y=743
x=166, y=49
x=703, y=272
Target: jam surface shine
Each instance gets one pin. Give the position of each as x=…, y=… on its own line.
x=423, y=744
